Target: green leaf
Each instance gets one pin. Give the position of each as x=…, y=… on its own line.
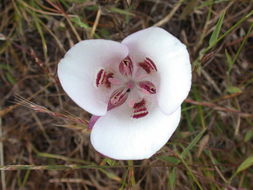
x=174, y=160
x=172, y=178
x=248, y=136
x=122, y=11
x=193, y=143
x=214, y=37
x=229, y=61
x=246, y=164
x=170, y=159
x=79, y=23
x=233, y=89
x=110, y=162
x=10, y=78
x=4, y=66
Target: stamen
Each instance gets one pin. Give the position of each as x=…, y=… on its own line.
x=147, y=87
x=126, y=66
x=101, y=76
x=104, y=78
x=140, y=109
x=148, y=65
x=118, y=97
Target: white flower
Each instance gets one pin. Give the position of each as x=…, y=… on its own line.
x=134, y=89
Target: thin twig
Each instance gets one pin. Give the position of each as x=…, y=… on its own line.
x=170, y=15
x=67, y=180
x=60, y=10
x=94, y=27
x=219, y=108
x=43, y=12
x=65, y=167
x=3, y=182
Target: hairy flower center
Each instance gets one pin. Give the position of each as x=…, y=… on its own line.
x=127, y=84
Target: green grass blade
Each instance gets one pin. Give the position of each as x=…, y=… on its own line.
x=192, y=144
x=214, y=37
x=172, y=176
x=27, y=174
x=245, y=164
x=77, y=20
x=190, y=172
x=170, y=159
x=229, y=61
x=121, y=11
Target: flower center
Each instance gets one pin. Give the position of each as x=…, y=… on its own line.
x=129, y=82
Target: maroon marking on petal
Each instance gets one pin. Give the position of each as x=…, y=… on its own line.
x=103, y=78
x=148, y=65
x=118, y=97
x=148, y=87
x=140, y=109
x=139, y=104
x=126, y=66
x=140, y=113
x=151, y=63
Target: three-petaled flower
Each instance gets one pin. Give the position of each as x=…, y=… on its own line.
x=134, y=89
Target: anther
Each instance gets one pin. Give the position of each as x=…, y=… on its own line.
x=103, y=78
x=147, y=87
x=148, y=65
x=126, y=67
x=118, y=97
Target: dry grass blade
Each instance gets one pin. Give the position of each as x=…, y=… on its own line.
x=167, y=18
x=94, y=27
x=41, y=109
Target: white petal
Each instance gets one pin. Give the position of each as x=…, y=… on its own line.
x=121, y=137
x=172, y=61
x=78, y=69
